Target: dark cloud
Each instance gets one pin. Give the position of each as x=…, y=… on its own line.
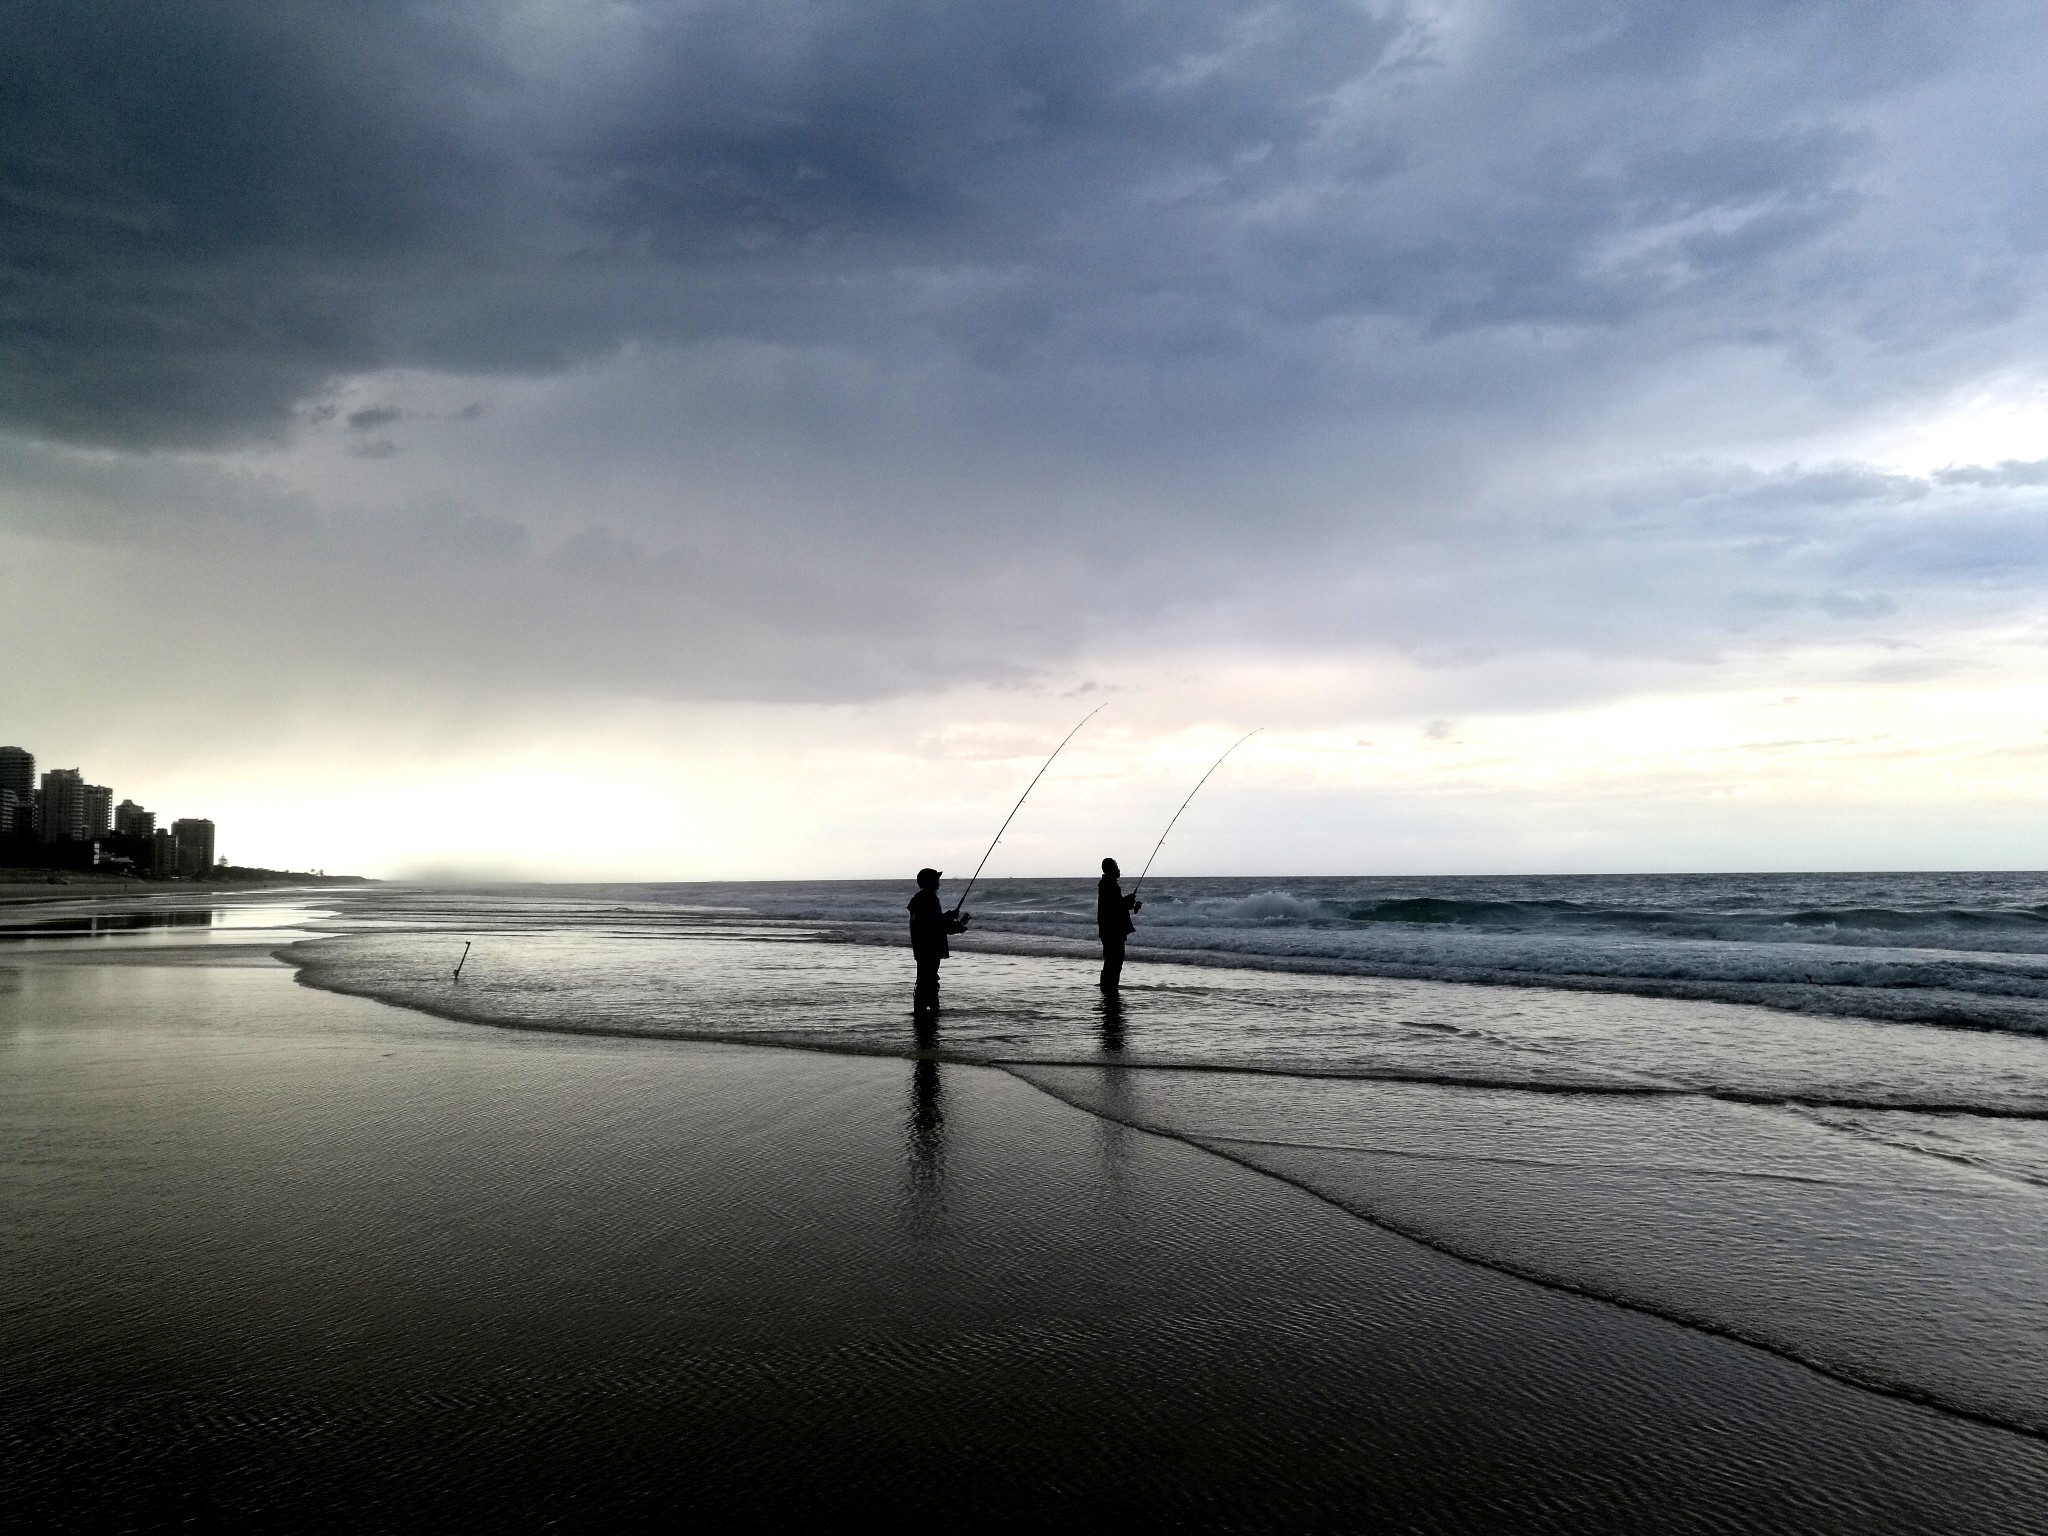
x=1558, y=595
x=2011, y=472
x=215, y=209
x=211, y=205
x=801, y=350
x=1545, y=599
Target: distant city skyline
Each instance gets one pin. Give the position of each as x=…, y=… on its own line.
x=57, y=819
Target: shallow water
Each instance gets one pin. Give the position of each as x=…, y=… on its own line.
x=1962, y=949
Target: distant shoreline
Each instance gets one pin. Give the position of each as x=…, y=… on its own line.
x=24, y=886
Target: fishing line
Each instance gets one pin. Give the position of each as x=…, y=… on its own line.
x=1056, y=751
x=1247, y=736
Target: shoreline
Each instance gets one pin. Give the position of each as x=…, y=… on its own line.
x=1917, y=997
x=79, y=886
x=315, y=972
x=484, y=1020
x=1874, y=1004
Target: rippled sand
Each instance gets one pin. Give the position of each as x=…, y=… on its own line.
x=275, y=1256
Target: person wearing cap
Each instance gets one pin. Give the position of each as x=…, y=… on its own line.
x=930, y=925
x=1113, y=923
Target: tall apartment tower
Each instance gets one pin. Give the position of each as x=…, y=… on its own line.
x=99, y=811
x=131, y=820
x=195, y=844
x=61, y=810
x=18, y=772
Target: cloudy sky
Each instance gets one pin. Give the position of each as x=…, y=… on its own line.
x=700, y=438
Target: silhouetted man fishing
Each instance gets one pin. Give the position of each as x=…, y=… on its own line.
x=1113, y=911
x=930, y=924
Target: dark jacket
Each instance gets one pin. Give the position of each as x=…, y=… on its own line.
x=1113, y=909
x=929, y=925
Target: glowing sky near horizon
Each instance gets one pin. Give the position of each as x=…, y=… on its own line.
x=660, y=440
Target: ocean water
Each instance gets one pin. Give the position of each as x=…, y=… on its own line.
x=1962, y=949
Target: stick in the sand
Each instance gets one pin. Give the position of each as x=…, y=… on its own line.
x=463, y=961
x=1247, y=736
x=1056, y=751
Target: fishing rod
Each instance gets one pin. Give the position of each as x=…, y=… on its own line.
x=1056, y=751
x=1247, y=736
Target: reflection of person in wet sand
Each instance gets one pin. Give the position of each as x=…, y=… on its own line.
x=927, y=1125
x=1113, y=923
x=924, y=1142
x=930, y=925
x=1112, y=1020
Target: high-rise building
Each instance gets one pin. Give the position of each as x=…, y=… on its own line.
x=163, y=853
x=99, y=810
x=131, y=820
x=60, y=810
x=195, y=844
x=16, y=809
x=18, y=771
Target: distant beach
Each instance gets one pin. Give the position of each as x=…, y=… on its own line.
x=22, y=887
x=279, y=1256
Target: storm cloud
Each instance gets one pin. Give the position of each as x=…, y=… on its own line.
x=799, y=350
x=219, y=209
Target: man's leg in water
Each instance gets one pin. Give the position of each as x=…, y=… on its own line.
x=926, y=998
x=1112, y=962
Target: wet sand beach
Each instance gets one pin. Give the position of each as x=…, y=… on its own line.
x=31, y=888
x=278, y=1257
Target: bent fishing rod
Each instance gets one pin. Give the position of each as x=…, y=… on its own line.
x=1056, y=751
x=1247, y=736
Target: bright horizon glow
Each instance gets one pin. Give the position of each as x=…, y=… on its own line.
x=1852, y=778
